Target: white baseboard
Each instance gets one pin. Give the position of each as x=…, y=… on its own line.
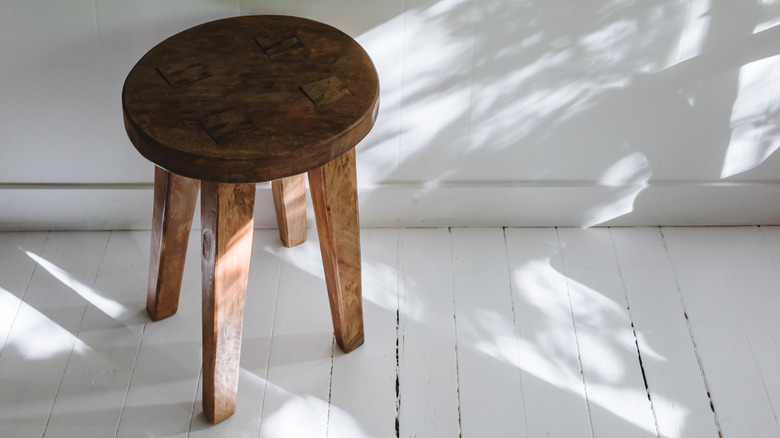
x=129, y=206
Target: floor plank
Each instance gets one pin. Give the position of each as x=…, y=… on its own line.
x=427, y=359
x=675, y=381
x=765, y=325
x=729, y=289
x=162, y=390
x=616, y=393
x=551, y=372
x=93, y=389
x=363, y=392
x=16, y=270
x=299, y=375
x=488, y=359
x=43, y=336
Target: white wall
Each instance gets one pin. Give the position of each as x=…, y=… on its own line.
x=493, y=112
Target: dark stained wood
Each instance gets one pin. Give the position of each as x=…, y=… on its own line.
x=227, y=216
x=334, y=197
x=174, y=205
x=239, y=101
x=290, y=203
x=250, y=99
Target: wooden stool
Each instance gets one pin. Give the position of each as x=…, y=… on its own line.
x=225, y=105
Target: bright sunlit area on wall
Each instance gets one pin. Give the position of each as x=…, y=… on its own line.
x=604, y=100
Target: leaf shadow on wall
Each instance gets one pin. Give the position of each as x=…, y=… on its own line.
x=553, y=93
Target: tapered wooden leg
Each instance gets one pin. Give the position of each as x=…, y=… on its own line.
x=174, y=205
x=290, y=203
x=227, y=217
x=334, y=197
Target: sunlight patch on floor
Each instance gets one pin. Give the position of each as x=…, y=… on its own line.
x=548, y=355
x=106, y=305
x=35, y=336
x=305, y=257
x=291, y=419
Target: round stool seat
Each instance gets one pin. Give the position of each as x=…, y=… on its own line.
x=250, y=99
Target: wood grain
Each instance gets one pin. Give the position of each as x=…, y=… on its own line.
x=174, y=205
x=290, y=203
x=250, y=99
x=334, y=197
x=227, y=220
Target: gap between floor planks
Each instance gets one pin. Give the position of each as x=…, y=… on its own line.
x=455, y=317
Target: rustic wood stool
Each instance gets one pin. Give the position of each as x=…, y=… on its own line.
x=225, y=105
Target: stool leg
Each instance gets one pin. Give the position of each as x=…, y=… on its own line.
x=290, y=203
x=227, y=217
x=334, y=196
x=174, y=205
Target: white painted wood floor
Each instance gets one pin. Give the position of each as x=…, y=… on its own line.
x=637, y=332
